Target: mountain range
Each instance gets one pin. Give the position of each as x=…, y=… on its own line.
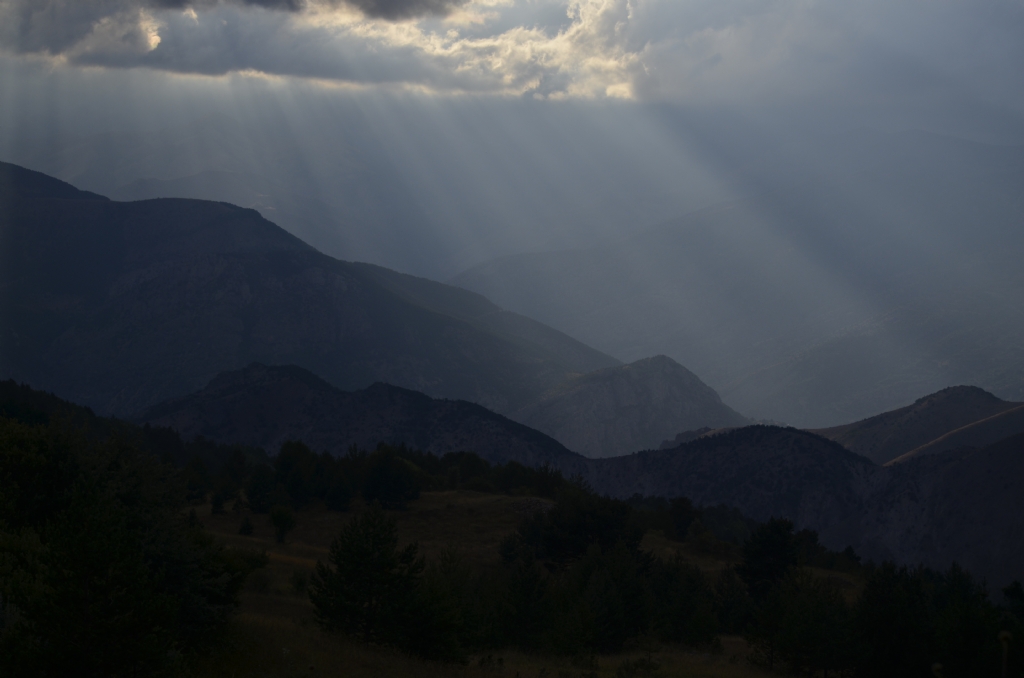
x=160, y=308
x=120, y=306
x=959, y=505
x=888, y=272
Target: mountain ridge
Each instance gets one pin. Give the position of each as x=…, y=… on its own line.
x=124, y=305
x=890, y=435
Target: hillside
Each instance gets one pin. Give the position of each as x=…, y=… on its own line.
x=265, y=406
x=887, y=436
x=120, y=306
x=957, y=506
x=963, y=505
x=622, y=409
x=765, y=471
x=981, y=433
x=816, y=301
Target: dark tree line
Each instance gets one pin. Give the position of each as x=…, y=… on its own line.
x=574, y=580
x=102, y=572
x=390, y=475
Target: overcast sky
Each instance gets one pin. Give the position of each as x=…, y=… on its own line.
x=869, y=53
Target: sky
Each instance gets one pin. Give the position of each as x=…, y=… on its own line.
x=432, y=136
x=869, y=56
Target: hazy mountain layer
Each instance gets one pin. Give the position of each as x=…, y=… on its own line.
x=627, y=408
x=887, y=436
x=265, y=406
x=123, y=305
x=890, y=273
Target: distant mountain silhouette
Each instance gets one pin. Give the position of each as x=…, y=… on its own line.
x=264, y=406
x=890, y=273
x=885, y=437
x=120, y=306
x=622, y=409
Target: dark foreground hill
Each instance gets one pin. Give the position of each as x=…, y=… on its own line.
x=119, y=306
x=264, y=406
x=621, y=409
x=889, y=435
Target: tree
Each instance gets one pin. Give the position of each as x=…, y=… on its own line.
x=98, y=558
x=768, y=556
x=805, y=623
x=683, y=514
x=389, y=479
x=259, y=490
x=283, y=520
x=368, y=584
x=295, y=468
x=894, y=623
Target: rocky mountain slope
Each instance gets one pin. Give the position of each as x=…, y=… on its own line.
x=264, y=406
x=889, y=435
x=622, y=409
x=123, y=305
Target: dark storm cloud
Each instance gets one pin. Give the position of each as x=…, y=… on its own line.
x=55, y=26
x=394, y=10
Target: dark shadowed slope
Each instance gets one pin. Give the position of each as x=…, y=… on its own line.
x=622, y=409
x=265, y=406
x=764, y=471
x=887, y=436
x=963, y=505
x=959, y=506
x=978, y=434
x=123, y=305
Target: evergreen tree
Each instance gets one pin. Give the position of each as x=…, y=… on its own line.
x=367, y=584
x=769, y=555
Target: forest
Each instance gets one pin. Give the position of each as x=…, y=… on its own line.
x=105, y=568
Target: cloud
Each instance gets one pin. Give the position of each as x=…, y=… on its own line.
x=394, y=10
x=705, y=51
